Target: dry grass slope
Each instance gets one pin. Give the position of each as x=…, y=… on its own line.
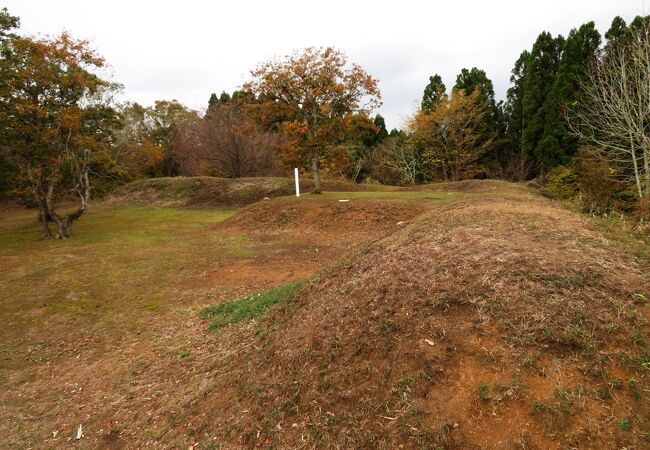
x=498, y=321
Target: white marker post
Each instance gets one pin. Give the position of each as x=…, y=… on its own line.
x=295, y=174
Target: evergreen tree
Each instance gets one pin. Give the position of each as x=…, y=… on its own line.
x=433, y=92
x=620, y=33
x=224, y=98
x=557, y=145
x=214, y=100
x=617, y=30
x=639, y=24
x=469, y=80
x=540, y=70
x=515, y=101
x=380, y=123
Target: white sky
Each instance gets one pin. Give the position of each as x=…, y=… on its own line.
x=161, y=49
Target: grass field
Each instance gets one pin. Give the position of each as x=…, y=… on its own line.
x=120, y=264
x=399, y=311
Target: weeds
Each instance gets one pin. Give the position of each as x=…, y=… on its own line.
x=624, y=424
x=639, y=339
x=249, y=307
x=634, y=388
x=530, y=362
x=483, y=391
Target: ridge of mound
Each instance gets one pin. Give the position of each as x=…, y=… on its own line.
x=228, y=192
x=498, y=321
x=362, y=215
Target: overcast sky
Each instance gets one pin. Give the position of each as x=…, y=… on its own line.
x=187, y=49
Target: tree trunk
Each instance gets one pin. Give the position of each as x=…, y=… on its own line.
x=316, y=171
x=43, y=218
x=637, y=176
x=646, y=168
x=64, y=224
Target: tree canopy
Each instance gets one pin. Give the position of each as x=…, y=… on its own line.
x=312, y=94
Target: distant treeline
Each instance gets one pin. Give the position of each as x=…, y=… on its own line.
x=63, y=135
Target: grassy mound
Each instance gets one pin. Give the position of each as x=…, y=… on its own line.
x=337, y=213
x=221, y=192
x=498, y=321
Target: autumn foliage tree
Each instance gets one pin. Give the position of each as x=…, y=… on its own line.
x=56, y=121
x=148, y=136
x=310, y=95
x=451, y=136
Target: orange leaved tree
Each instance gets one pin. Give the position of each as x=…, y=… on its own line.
x=56, y=122
x=311, y=95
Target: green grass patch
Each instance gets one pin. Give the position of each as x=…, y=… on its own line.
x=122, y=262
x=249, y=307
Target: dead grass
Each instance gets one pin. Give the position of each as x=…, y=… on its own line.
x=435, y=317
x=103, y=329
x=223, y=192
x=497, y=320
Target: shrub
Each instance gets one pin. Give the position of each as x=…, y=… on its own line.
x=598, y=188
x=562, y=183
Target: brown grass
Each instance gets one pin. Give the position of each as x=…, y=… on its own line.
x=500, y=293
x=496, y=321
x=222, y=192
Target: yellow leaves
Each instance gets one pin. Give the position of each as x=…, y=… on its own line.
x=296, y=129
x=452, y=134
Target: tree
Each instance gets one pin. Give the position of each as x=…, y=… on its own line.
x=541, y=70
x=396, y=161
x=476, y=79
x=618, y=31
x=310, y=93
x=162, y=122
x=57, y=120
x=452, y=136
x=433, y=92
x=514, y=112
x=225, y=98
x=352, y=156
x=380, y=124
x=147, y=140
x=7, y=24
x=135, y=153
x=613, y=111
x=214, y=101
x=228, y=143
x=557, y=145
